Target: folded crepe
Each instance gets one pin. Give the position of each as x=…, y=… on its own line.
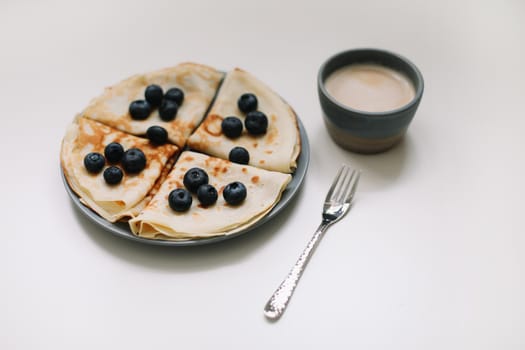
x=198, y=82
x=276, y=150
x=112, y=202
x=264, y=189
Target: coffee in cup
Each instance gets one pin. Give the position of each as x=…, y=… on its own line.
x=370, y=87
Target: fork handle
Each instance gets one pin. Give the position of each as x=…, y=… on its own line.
x=279, y=300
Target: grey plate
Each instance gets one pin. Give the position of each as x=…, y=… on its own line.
x=122, y=229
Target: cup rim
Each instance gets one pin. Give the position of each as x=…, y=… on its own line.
x=389, y=113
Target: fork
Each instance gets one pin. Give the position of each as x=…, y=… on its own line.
x=336, y=205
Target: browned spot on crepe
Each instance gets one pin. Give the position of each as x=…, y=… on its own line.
x=212, y=124
x=272, y=135
x=255, y=179
x=96, y=139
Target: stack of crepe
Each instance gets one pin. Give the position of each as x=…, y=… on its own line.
x=141, y=199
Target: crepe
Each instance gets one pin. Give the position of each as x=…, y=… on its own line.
x=264, y=189
x=276, y=150
x=112, y=202
x=198, y=82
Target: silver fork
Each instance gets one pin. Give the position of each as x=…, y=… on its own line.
x=336, y=205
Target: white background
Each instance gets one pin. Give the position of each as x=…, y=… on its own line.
x=430, y=257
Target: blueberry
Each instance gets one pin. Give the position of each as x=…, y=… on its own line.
x=231, y=127
x=207, y=194
x=94, y=162
x=239, y=155
x=114, y=152
x=113, y=175
x=175, y=94
x=154, y=95
x=234, y=193
x=256, y=123
x=194, y=178
x=247, y=102
x=168, y=110
x=180, y=199
x=157, y=135
x=139, y=109
x=133, y=161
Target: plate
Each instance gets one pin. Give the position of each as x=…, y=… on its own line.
x=121, y=229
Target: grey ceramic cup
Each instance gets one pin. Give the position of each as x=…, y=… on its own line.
x=361, y=131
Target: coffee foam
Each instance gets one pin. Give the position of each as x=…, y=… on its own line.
x=370, y=87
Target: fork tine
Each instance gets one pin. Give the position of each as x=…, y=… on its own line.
x=351, y=190
x=340, y=188
x=345, y=185
x=335, y=182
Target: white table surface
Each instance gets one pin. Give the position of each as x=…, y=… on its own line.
x=431, y=256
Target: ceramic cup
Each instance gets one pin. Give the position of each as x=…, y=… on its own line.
x=361, y=131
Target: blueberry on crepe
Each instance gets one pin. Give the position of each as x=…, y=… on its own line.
x=134, y=160
x=234, y=193
x=207, y=194
x=139, y=109
x=94, y=162
x=194, y=178
x=180, y=200
x=247, y=102
x=231, y=127
x=114, y=152
x=113, y=175
x=154, y=95
x=168, y=110
x=175, y=94
x=256, y=123
x=157, y=135
x=239, y=155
